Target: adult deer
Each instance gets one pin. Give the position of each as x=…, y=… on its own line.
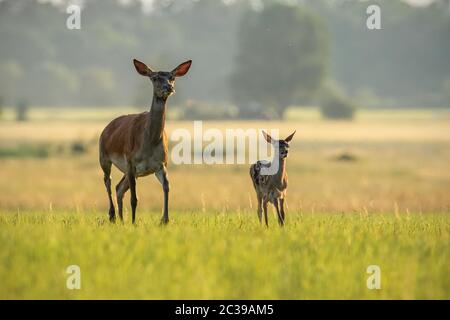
x=272, y=188
x=137, y=143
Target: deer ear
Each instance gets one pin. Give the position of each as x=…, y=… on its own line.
x=267, y=137
x=288, y=139
x=142, y=68
x=182, y=69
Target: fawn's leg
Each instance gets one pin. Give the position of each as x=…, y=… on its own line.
x=280, y=218
x=133, y=199
x=265, y=211
x=121, y=188
x=258, y=195
x=162, y=178
x=282, y=209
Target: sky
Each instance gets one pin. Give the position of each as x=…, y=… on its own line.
x=148, y=3
x=419, y=2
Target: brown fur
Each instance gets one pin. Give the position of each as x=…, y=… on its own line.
x=136, y=143
x=124, y=134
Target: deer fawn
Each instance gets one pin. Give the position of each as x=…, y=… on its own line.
x=137, y=143
x=272, y=187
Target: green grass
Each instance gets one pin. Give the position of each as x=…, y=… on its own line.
x=225, y=255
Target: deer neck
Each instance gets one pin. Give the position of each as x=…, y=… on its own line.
x=281, y=172
x=157, y=119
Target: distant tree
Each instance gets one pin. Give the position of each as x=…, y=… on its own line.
x=404, y=63
x=1, y=107
x=282, y=59
x=10, y=75
x=446, y=91
x=98, y=87
x=142, y=95
x=51, y=83
x=22, y=110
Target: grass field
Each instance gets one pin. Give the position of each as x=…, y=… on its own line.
x=388, y=205
x=225, y=256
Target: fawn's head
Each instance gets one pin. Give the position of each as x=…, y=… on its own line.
x=281, y=145
x=163, y=81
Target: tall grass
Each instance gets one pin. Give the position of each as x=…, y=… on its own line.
x=225, y=256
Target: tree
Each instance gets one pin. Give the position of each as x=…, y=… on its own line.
x=98, y=87
x=1, y=107
x=282, y=59
x=50, y=83
x=10, y=75
x=404, y=63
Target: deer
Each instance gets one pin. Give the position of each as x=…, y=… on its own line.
x=137, y=144
x=272, y=187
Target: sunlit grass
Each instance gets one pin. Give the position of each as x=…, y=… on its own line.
x=382, y=177
x=225, y=256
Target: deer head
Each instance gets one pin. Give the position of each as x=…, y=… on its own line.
x=281, y=145
x=163, y=81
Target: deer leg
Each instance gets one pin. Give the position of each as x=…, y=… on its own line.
x=265, y=211
x=162, y=178
x=282, y=209
x=121, y=188
x=133, y=199
x=106, y=166
x=259, y=207
x=280, y=218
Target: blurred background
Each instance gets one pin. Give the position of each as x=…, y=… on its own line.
x=371, y=107
x=252, y=58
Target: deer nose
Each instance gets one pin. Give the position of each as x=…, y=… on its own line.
x=168, y=88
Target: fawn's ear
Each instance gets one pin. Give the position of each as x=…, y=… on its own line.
x=267, y=137
x=182, y=69
x=142, y=68
x=288, y=139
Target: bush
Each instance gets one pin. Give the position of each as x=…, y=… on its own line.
x=346, y=157
x=26, y=151
x=196, y=110
x=78, y=147
x=335, y=105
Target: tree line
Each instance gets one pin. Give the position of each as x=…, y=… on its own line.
x=248, y=60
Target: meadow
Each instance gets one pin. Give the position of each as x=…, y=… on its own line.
x=374, y=191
